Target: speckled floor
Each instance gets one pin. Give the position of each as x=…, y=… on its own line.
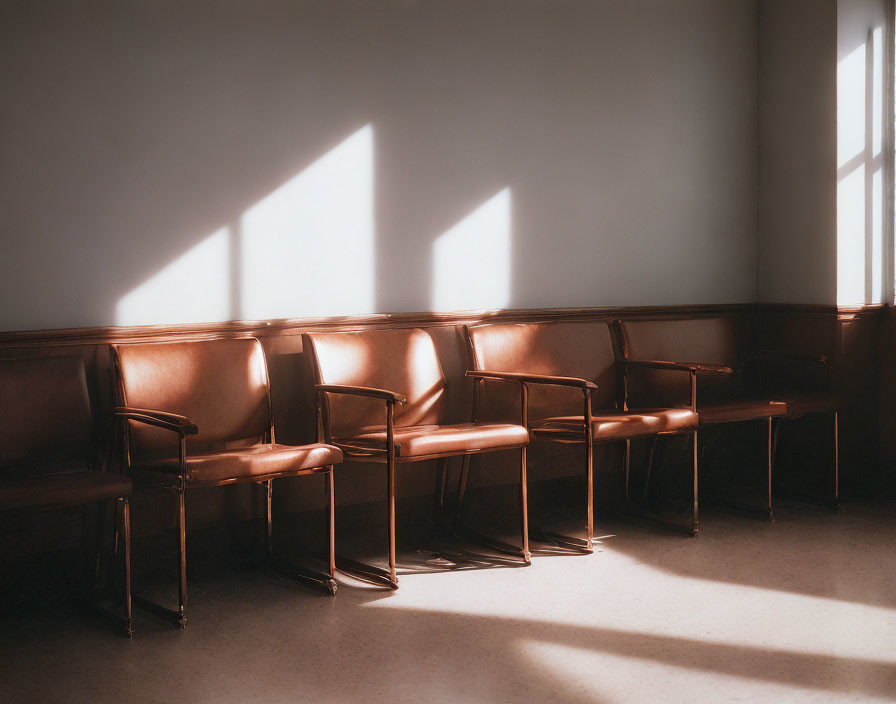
x=802, y=609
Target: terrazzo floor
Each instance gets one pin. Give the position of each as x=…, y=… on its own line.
x=799, y=610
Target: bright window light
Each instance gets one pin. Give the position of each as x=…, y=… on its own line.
x=471, y=261
x=194, y=287
x=307, y=248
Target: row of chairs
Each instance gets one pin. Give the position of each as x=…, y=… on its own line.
x=192, y=415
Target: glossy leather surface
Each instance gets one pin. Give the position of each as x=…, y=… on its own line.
x=735, y=411
x=220, y=385
x=404, y=361
x=619, y=425
x=714, y=340
x=46, y=416
x=254, y=461
x=420, y=441
x=62, y=489
x=798, y=405
x=573, y=349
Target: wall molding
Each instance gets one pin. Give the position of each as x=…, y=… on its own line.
x=295, y=326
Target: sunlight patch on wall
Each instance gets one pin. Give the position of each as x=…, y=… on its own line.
x=307, y=248
x=860, y=194
x=194, y=287
x=471, y=262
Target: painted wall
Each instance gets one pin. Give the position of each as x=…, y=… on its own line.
x=168, y=162
x=822, y=227
x=797, y=105
x=862, y=224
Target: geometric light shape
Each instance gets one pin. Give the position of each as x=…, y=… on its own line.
x=307, y=249
x=471, y=262
x=851, y=237
x=193, y=288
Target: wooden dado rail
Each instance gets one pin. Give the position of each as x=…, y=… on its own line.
x=849, y=336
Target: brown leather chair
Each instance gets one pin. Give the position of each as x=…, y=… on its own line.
x=575, y=396
x=719, y=354
x=382, y=399
x=48, y=451
x=198, y=414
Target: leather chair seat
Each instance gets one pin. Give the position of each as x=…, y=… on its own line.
x=735, y=411
x=247, y=462
x=619, y=425
x=38, y=491
x=425, y=440
x=811, y=403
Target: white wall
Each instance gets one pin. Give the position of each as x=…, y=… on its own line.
x=797, y=151
x=174, y=162
x=822, y=224
x=862, y=225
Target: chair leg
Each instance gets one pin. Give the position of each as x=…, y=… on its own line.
x=836, y=502
x=589, y=459
x=524, y=505
x=178, y=617
x=126, y=567
x=182, y=559
x=771, y=455
x=653, y=441
x=331, y=528
x=268, y=536
x=628, y=461
x=461, y=492
x=493, y=543
x=393, y=577
x=313, y=578
x=97, y=576
x=438, y=498
x=696, y=444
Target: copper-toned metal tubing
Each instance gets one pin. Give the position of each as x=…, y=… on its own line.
x=126, y=539
x=649, y=466
x=694, y=390
x=524, y=479
x=182, y=559
x=98, y=543
x=365, y=572
x=696, y=482
x=268, y=536
x=628, y=459
x=443, y=479
x=331, y=520
x=770, y=420
x=496, y=545
x=589, y=459
x=312, y=578
x=836, y=459
x=524, y=505
x=563, y=540
x=390, y=451
x=462, y=489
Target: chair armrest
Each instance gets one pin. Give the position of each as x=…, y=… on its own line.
x=371, y=392
x=533, y=379
x=796, y=356
x=160, y=419
x=678, y=366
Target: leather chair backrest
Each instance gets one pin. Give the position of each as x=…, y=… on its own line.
x=45, y=416
x=581, y=349
x=220, y=385
x=721, y=340
x=404, y=361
